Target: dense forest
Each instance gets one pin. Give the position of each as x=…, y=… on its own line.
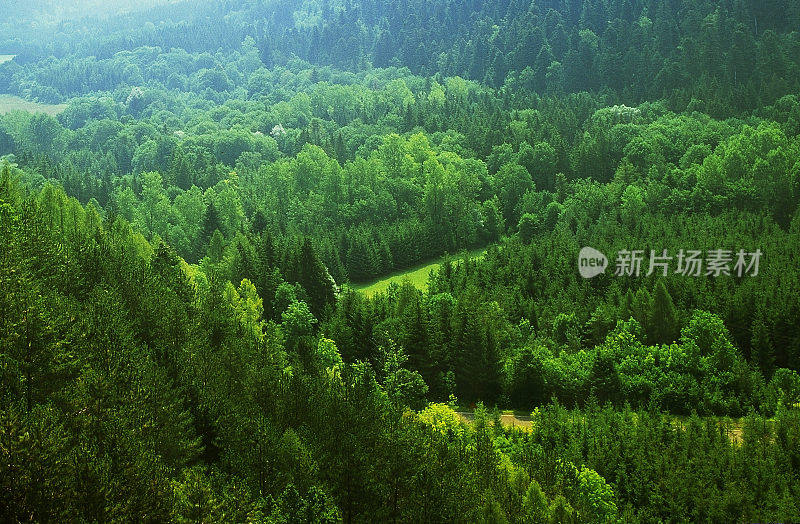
x=181, y=333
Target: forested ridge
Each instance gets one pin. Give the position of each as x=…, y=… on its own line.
x=180, y=337
x=731, y=56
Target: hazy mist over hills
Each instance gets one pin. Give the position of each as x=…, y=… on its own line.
x=52, y=11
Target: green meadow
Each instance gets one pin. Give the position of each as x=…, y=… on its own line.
x=417, y=275
x=9, y=103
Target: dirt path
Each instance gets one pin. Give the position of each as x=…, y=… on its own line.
x=508, y=420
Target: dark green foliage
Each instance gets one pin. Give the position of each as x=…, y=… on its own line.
x=178, y=341
x=663, y=319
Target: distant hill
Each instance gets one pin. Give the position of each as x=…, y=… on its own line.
x=732, y=57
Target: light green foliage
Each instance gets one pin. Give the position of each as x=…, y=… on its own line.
x=194, y=498
x=443, y=419
x=405, y=387
x=595, y=496
x=632, y=205
x=785, y=384
x=528, y=226
x=327, y=354
x=512, y=181
x=561, y=511
x=534, y=505
x=705, y=330
x=298, y=320
x=251, y=307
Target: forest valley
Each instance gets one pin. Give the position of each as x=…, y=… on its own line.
x=181, y=337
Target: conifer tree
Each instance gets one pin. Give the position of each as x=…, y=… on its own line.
x=663, y=321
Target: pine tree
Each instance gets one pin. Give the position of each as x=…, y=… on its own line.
x=211, y=223
x=641, y=307
x=534, y=504
x=216, y=247
x=663, y=322
x=763, y=353
x=340, y=150
x=180, y=170
x=314, y=277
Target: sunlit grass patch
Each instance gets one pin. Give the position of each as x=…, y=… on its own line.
x=9, y=103
x=418, y=275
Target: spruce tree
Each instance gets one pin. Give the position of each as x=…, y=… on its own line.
x=663, y=320
x=763, y=353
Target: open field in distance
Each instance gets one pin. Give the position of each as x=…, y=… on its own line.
x=9, y=103
x=417, y=275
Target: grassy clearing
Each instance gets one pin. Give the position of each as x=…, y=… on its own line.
x=732, y=427
x=508, y=421
x=9, y=103
x=6, y=58
x=417, y=275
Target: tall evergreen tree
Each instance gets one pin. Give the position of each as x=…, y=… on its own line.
x=663, y=323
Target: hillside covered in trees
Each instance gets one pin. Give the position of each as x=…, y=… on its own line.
x=180, y=334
